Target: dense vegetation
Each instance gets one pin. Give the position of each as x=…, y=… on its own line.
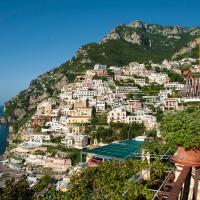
x=110, y=180
x=71, y=153
x=182, y=127
x=16, y=190
x=118, y=131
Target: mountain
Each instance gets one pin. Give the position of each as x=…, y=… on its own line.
x=136, y=41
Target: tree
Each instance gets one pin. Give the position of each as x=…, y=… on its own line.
x=16, y=190
x=182, y=128
x=111, y=180
x=44, y=182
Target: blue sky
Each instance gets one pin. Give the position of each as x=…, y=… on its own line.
x=38, y=35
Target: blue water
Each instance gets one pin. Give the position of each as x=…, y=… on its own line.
x=3, y=134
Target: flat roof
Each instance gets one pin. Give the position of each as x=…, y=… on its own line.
x=118, y=150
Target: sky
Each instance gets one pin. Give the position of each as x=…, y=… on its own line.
x=39, y=35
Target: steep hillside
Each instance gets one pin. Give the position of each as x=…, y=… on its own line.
x=190, y=50
x=124, y=44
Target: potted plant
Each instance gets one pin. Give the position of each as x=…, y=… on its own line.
x=186, y=69
x=182, y=131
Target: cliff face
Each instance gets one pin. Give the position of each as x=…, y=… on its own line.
x=137, y=41
x=140, y=33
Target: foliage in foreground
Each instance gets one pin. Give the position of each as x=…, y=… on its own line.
x=111, y=180
x=16, y=190
x=182, y=128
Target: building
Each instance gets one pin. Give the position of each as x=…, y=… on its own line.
x=118, y=114
x=101, y=73
x=99, y=67
x=126, y=89
x=135, y=69
x=87, y=94
x=44, y=108
x=78, y=120
x=158, y=78
x=56, y=164
x=39, y=137
x=140, y=81
x=135, y=105
x=172, y=104
x=174, y=86
x=79, y=141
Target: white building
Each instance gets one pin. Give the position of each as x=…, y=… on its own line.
x=75, y=140
x=56, y=164
x=136, y=69
x=99, y=66
x=38, y=137
x=87, y=94
x=174, y=86
x=158, y=78
x=126, y=89
x=117, y=115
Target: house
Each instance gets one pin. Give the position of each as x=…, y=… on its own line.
x=87, y=84
x=81, y=103
x=163, y=94
x=75, y=140
x=81, y=141
x=98, y=103
x=157, y=78
x=56, y=164
x=68, y=141
x=117, y=115
x=39, y=137
x=150, y=99
x=135, y=105
x=136, y=69
x=119, y=77
x=174, y=86
x=44, y=108
x=172, y=104
x=140, y=81
x=89, y=74
x=148, y=120
x=126, y=89
x=101, y=73
x=87, y=94
x=76, y=128
x=99, y=67
x=78, y=120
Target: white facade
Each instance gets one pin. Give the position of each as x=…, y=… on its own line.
x=117, y=115
x=174, y=85
x=99, y=66
x=87, y=94
x=126, y=89
x=158, y=78
x=75, y=140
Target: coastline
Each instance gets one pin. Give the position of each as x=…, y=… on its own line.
x=4, y=125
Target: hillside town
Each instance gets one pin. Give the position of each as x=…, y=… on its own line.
x=65, y=125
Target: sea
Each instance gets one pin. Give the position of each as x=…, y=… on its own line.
x=3, y=134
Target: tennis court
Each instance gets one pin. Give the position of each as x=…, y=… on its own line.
x=120, y=150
